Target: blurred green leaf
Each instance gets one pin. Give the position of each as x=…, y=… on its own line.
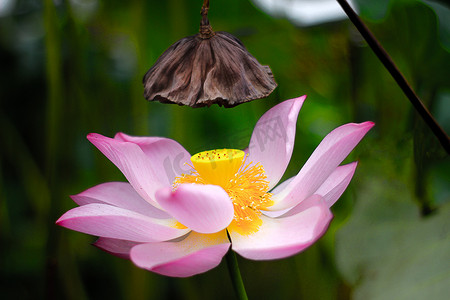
x=374, y=10
x=378, y=10
x=388, y=251
x=443, y=13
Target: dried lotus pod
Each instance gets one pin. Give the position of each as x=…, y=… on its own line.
x=209, y=67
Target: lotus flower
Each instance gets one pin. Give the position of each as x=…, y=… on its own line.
x=178, y=215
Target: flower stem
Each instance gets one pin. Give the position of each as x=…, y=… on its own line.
x=235, y=275
x=388, y=63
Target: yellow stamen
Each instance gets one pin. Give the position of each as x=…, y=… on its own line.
x=178, y=225
x=245, y=184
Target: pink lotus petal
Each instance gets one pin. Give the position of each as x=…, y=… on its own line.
x=330, y=191
x=143, y=140
x=120, y=194
x=118, y=223
x=282, y=186
x=119, y=248
x=196, y=254
x=285, y=236
x=276, y=190
x=325, y=159
x=169, y=159
x=202, y=208
x=302, y=206
x=273, y=138
x=336, y=183
x=133, y=163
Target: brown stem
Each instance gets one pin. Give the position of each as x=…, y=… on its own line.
x=206, y=31
x=388, y=63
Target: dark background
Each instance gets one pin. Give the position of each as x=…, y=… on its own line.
x=68, y=68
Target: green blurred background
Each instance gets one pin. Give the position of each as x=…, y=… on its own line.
x=68, y=68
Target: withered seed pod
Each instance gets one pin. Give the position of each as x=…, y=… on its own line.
x=209, y=67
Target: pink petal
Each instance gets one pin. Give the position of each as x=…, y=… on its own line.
x=169, y=159
x=335, y=185
x=202, y=208
x=325, y=159
x=118, y=223
x=285, y=236
x=273, y=138
x=133, y=163
x=330, y=190
x=302, y=206
x=115, y=247
x=276, y=190
x=282, y=186
x=196, y=254
x=120, y=194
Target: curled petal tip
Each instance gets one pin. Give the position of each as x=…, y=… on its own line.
x=118, y=135
x=366, y=125
x=369, y=124
x=302, y=98
x=92, y=136
x=299, y=100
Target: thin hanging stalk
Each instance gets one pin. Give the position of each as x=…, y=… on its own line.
x=205, y=6
x=388, y=63
x=206, y=31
